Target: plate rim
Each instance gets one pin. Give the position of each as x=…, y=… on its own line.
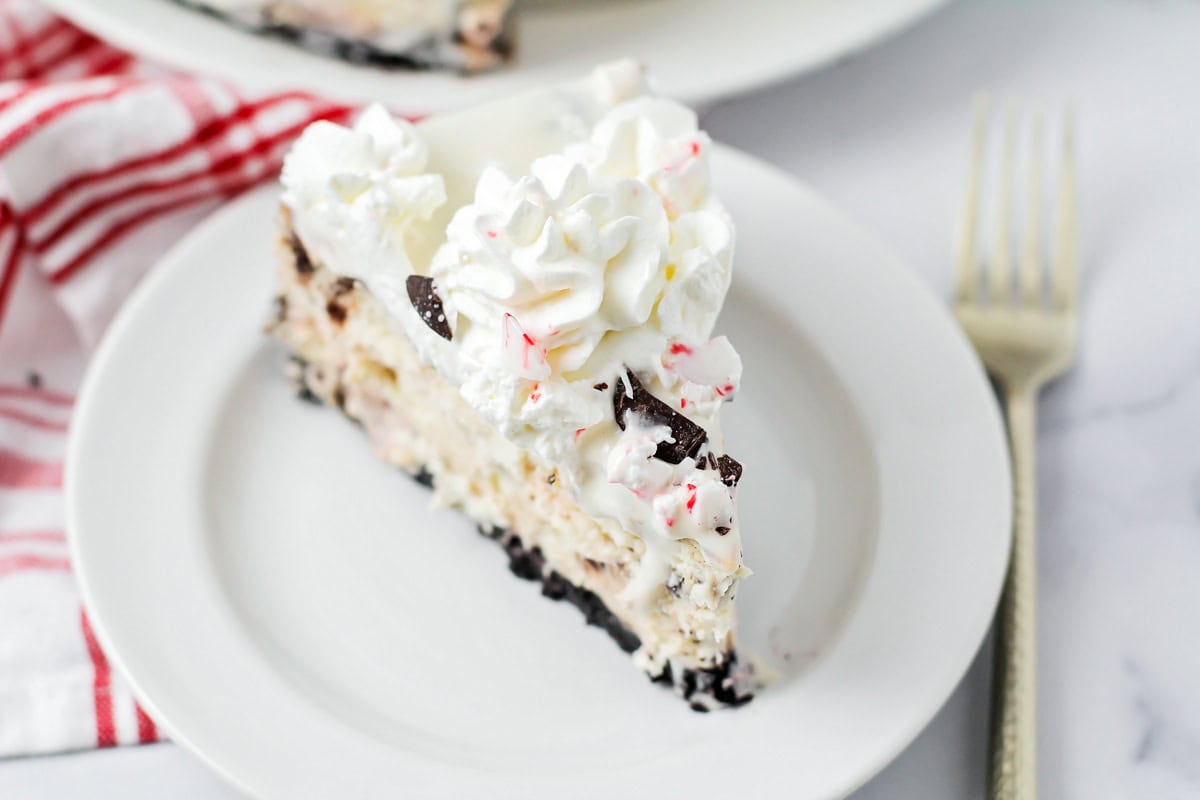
x=357, y=84
x=144, y=293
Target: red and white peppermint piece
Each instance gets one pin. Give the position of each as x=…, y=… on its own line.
x=523, y=354
x=714, y=363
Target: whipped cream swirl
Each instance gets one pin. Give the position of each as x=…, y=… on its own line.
x=601, y=257
x=357, y=192
x=561, y=256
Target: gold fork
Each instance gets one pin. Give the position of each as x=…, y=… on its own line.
x=1024, y=328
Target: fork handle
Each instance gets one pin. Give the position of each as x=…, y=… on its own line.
x=1014, y=700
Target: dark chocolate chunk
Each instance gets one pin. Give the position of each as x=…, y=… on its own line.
x=304, y=264
x=336, y=311
x=698, y=707
x=428, y=305
x=339, y=396
x=600, y=387
x=721, y=530
x=688, y=436
x=731, y=470
x=423, y=477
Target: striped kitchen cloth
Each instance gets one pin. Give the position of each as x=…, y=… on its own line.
x=105, y=161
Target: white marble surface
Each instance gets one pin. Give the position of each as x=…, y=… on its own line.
x=884, y=136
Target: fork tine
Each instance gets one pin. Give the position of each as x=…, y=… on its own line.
x=968, y=267
x=1030, y=280
x=1000, y=268
x=1065, y=278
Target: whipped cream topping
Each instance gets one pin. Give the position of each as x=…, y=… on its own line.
x=570, y=254
x=610, y=255
x=356, y=195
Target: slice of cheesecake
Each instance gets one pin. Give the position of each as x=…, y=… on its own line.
x=460, y=35
x=516, y=303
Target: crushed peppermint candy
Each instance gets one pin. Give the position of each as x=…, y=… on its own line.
x=714, y=363
x=524, y=354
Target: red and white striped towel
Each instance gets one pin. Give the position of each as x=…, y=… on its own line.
x=104, y=162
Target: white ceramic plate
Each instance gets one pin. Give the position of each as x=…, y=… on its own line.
x=291, y=609
x=699, y=50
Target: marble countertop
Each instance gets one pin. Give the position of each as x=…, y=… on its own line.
x=884, y=135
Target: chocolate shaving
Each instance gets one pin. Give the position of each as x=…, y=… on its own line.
x=304, y=264
x=688, y=436
x=600, y=387
x=336, y=311
x=428, y=305
x=731, y=470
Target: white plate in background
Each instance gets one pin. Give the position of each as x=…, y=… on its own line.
x=291, y=610
x=698, y=50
